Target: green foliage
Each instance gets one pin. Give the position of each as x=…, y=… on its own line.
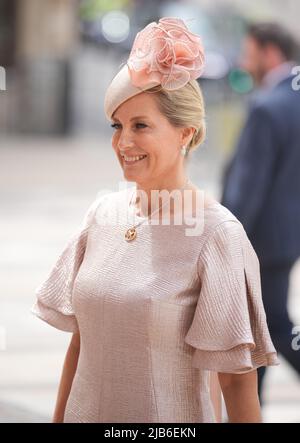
x=92, y=9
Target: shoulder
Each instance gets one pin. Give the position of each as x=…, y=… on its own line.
x=226, y=234
x=226, y=241
x=218, y=218
x=271, y=102
x=262, y=110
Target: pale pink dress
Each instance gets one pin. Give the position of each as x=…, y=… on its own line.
x=155, y=315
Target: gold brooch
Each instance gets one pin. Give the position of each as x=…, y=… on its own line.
x=130, y=234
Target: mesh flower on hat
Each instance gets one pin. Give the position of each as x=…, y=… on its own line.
x=164, y=53
x=167, y=53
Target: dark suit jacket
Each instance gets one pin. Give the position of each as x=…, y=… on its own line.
x=261, y=185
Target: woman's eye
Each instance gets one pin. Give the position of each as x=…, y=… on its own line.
x=138, y=125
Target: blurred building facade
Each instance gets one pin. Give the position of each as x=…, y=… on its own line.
x=284, y=11
x=39, y=39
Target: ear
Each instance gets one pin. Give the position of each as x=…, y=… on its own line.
x=274, y=54
x=187, y=135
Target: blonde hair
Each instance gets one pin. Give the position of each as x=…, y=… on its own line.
x=183, y=107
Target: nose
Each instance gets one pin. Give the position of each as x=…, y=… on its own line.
x=243, y=62
x=125, y=141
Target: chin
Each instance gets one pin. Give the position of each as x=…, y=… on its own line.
x=130, y=177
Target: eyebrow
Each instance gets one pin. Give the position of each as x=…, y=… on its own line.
x=133, y=118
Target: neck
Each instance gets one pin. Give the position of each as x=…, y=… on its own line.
x=277, y=73
x=147, y=200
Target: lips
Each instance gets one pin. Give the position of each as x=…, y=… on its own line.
x=133, y=159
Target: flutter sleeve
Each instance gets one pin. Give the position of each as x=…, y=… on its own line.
x=229, y=329
x=53, y=302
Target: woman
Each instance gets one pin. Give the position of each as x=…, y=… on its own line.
x=155, y=310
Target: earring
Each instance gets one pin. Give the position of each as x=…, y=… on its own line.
x=183, y=150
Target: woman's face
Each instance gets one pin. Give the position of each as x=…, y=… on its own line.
x=141, y=130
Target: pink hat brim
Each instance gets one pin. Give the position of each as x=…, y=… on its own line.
x=120, y=90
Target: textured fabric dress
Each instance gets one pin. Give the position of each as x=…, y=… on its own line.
x=155, y=315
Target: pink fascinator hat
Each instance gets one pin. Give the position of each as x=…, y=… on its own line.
x=164, y=53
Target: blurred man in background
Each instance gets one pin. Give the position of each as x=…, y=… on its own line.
x=261, y=184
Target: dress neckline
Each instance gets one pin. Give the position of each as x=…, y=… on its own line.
x=210, y=203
